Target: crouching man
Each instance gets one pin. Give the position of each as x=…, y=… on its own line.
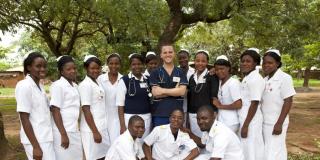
x=128, y=145
x=169, y=142
x=220, y=142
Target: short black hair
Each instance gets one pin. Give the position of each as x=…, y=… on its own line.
x=222, y=62
x=29, y=60
x=134, y=118
x=92, y=59
x=202, y=52
x=206, y=108
x=113, y=55
x=275, y=56
x=177, y=110
x=150, y=58
x=136, y=56
x=63, y=60
x=253, y=54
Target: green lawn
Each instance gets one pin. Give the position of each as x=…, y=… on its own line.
x=312, y=82
x=10, y=91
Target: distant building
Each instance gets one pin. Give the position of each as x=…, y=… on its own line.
x=10, y=77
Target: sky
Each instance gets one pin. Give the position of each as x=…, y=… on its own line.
x=8, y=38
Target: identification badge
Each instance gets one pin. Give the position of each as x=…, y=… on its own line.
x=143, y=85
x=176, y=79
x=202, y=80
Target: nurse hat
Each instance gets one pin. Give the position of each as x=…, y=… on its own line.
x=202, y=50
x=131, y=55
x=254, y=49
x=150, y=53
x=88, y=57
x=224, y=57
x=274, y=51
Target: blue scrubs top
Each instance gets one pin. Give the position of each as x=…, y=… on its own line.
x=163, y=107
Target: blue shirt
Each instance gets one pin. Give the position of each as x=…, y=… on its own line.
x=163, y=107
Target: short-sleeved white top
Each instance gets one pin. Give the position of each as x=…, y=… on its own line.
x=67, y=98
x=278, y=87
x=222, y=142
x=92, y=94
x=110, y=91
x=33, y=100
x=252, y=87
x=125, y=148
x=228, y=93
x=164, y=144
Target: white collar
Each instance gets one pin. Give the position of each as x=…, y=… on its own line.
x=201, y=77
x=105, y=77
x=29, y=78
x=146, y=73
x=276, y=75
x=130, y=75
x=66, y=82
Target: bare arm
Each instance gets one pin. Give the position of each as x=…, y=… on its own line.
x=121, y=119
x=28, y=129
x=235, y=105
x=59, y=123
x=252, y=111
x=284, y=112
x=90, y=121
x=194, y=153
x=147, y=151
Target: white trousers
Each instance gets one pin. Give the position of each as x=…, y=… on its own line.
x=275, y=145
x=253, y=145
x=195, y=129
x=47, y=150
x=234, y=127
x=145, y=117
x=73, y=152
x=93, y=150
x=113, y=125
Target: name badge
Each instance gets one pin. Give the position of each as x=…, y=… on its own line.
x=176, y=79
x=143, y=85
x=202, y=80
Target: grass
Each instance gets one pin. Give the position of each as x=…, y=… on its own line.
x=6, y=91
x=7, y=105
x=303, y=157
x=312, y=82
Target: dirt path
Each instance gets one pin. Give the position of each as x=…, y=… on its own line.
x=304, y=125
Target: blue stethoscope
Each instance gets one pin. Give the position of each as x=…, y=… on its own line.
x=131, y=81
x=161, y=75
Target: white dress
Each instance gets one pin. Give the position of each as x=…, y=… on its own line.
x=252, y=87
x=66, y=97
x=93, y=95
x=113, y=124
x=33, y=100
x=278, y=88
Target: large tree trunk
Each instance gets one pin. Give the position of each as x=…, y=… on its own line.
x=3, y=140
x=306, y=77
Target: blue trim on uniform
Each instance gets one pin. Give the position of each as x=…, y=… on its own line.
x=159, y=77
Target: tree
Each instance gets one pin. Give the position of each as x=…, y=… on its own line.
x=60, y=23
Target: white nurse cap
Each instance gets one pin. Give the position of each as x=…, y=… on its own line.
x=274, y=51
x=202, y=50
x=254, y=49
x=150, y=53
x=224, y=57
x=131, y=55
x=88, y=57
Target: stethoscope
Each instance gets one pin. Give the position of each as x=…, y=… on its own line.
x=198, y=89
x=131, y=81
x=161, y=75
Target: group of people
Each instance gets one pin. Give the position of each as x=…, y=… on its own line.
x=163, y=112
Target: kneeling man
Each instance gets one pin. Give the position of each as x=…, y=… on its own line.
x=169, y=142
x=128, y=145
x=220, y=142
